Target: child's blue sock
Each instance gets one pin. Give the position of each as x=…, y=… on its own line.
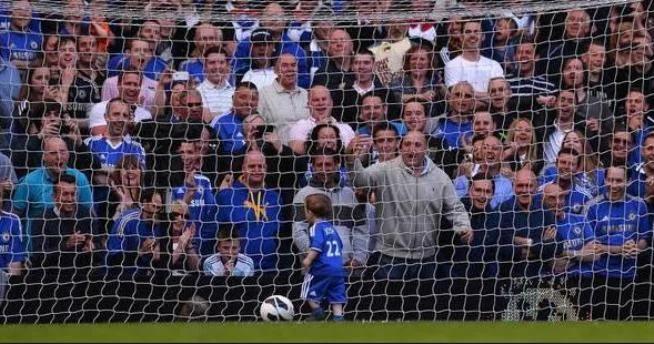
x=318, y=314
x=338, y=318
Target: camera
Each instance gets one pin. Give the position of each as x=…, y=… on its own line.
x=260, y=130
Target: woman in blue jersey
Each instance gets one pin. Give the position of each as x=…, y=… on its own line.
x=133, y=246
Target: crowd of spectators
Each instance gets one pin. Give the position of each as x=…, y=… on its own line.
x=137, y=147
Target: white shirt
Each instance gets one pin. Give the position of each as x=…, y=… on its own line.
x=362, y=91
x=553, y=143
x=146, y=97
x=416, y=32
x=260, y=77
x=477, y=73
x=97, y=111
x=213, y=266
x=218, y=99
x=301, y=129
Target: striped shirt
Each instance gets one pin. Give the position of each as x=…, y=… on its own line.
x=218, y=99
x=244, y=267
x=531, y=87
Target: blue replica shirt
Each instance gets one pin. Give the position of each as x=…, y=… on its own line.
x=527, y=223
x=256, y=216
x=637, y=182
x=109, y=155
x=20, y=45
x=125, y=239
x=5, y=21
x=241, y=61
x=13, y=242
x=452, y=132
x=326, y=241
x=588, y=183
x=195, y=69
x=503, y=189
x=202, y=210
x=229, y=129
x=615, y=223
x=152, y=70
x=574, y=232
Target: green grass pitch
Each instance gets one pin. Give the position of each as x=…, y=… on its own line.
x=334, y=332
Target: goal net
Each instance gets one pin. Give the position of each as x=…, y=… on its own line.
x=482, y=160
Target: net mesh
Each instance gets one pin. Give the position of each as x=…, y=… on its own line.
x=481, y=160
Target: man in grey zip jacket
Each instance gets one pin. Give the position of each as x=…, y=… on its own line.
x=349, y=217
x=412, y=194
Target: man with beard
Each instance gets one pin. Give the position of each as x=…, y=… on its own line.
x=470, y=66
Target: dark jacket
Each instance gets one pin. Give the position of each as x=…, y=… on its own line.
x=480, y=258
x=527, y=223
x=49, y=236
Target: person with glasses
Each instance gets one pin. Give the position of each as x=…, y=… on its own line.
x=180, y=255
x=621, y=150
x=193, y=109
x=133, y=243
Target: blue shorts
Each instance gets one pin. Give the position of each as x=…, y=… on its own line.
x=319, y=288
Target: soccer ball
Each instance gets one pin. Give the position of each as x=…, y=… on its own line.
x=277, y=308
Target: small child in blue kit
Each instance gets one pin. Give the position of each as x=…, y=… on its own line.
x=325, y=277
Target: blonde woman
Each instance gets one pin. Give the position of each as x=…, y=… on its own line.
x=521, y=148
x=182, y=254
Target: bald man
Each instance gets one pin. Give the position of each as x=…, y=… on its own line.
x=35, y=193
x=320, y=108
x=254, y=211
x=340, y=56
x=578, y=248
x=525, y=249
x=284, y=102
